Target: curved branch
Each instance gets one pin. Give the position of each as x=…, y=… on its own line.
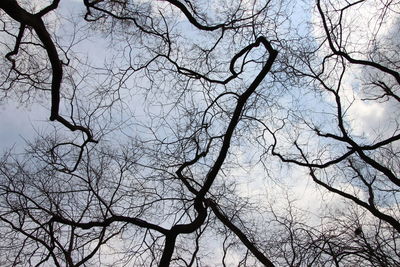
x=15, y=11
x=236, y=116
x=108, y=221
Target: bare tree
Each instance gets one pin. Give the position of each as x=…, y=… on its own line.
x=141, y=165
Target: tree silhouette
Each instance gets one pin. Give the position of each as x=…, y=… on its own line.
x=161, y=111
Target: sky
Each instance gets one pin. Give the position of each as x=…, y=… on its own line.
x=21, y=122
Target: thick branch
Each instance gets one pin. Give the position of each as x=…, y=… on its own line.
x=236, y=116
x=15, y=11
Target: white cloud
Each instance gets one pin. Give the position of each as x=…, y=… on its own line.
x=363, y=26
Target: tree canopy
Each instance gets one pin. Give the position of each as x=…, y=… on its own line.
x=202, y=133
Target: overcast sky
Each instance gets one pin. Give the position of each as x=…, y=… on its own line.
x=19, y=122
